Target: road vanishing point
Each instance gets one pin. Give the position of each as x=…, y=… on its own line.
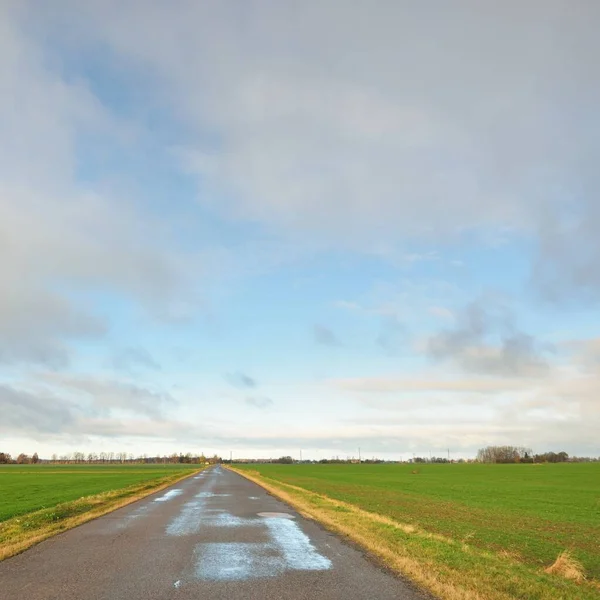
x=213, y=536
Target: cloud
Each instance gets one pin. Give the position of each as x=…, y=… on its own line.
x=400, y=139
x=131, y=358
x=40, y=327
x=65, y=238
x=485, y=340
x=241, y=380
x=259, y=402
x=103, y=396
x=565, y=269
x=585, y=352
x=299, y=133
x=30, y=413
x=65, y=408
x=316, y=143
x=403, y=385
x=325, y=336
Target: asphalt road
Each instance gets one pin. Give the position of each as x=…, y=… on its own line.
x=203, y=538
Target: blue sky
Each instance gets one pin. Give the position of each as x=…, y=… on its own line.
x=265, y=227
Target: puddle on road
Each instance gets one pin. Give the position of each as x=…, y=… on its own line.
x=226, y=519
x=286, y=547
x=169, y=495
x=289, y=548
x=187, y=522
x=235, y=562
x=295, y=546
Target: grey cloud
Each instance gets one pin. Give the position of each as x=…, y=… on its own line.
x=241, y=380
x=36, y=326
x=485, y=340
x=102, y=396
x=45, y=415
x=325, y=336
x=381, y=138
x=25, y=412
x=59, y=237
x=566, y=267
x=259, y=402
x=131, y=358
x=68, y=406
x=108, y=394
x=49, y=352
x=400, y=138
x=178, y=432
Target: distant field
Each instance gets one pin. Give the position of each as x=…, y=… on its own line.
x=529, y=513
x=26, y=488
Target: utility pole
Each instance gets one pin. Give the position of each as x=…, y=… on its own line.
x=448, y=454
x=359, y=455
x=230, y=456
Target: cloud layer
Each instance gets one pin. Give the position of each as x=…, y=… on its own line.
x=216, y=178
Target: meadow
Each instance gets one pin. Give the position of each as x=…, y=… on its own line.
x=26, y=488
x=37, y=501
x=523, y=514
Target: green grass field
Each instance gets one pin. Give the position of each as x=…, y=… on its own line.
x=27, y=488
x=533, y=512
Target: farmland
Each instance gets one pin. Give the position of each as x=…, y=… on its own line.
x=39, y=500
x=525, y=515
x=26, y=488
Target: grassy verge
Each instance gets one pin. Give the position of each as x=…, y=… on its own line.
x=449, y=568
x=20, y=533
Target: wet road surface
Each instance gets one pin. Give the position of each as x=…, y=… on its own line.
x=214, y=536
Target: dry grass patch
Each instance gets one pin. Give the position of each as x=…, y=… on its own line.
x=567, y=566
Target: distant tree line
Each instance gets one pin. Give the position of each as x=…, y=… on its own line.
x=366, y=461
x=110, y=458
x=22, y=459
x=431, y=459
x=518, y=454
x=504, y=454
x=288, y=460
x=489, y=454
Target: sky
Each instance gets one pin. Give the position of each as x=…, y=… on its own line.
x=266, y=227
